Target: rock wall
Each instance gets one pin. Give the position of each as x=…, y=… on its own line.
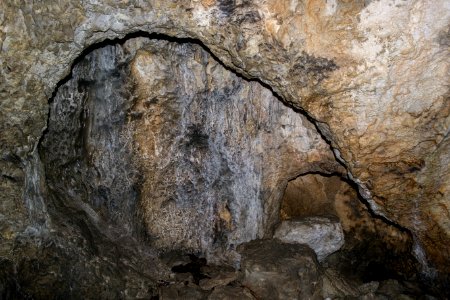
x=373, y=248
x=159, y=137
x=373, y=74
x=216, y=150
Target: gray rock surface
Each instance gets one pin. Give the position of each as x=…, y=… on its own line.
x=156, y=137
x=323, y=235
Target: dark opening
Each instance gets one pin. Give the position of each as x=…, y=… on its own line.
x=374, y=250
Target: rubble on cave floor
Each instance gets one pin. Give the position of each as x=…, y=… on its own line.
x=272, y=269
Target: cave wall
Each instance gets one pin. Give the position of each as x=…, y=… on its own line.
x=215, y=150
x=157, y=137
x=373, y=74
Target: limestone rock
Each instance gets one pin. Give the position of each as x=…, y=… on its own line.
x=372, y=74
x=334, y=285
x=323, y=235
x=159, y=129
x=214, y=166
x=275, y=270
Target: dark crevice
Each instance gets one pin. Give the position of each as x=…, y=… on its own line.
x=194, y=267
x=10, y=178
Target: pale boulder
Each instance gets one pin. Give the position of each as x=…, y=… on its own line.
x=323, y=235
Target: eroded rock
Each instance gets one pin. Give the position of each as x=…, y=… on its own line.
x=213, y=149
x=163, y=131
x=323, y=235
x=152, y=140
x=230, y=292
x=221, y=278
x=182, y=291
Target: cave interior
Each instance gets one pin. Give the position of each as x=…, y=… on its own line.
x=164, y=167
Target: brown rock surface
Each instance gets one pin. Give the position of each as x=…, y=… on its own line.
x=373, y=248
x=272, y=269
x=140, y=153
x=229, y=292
x=374, y=74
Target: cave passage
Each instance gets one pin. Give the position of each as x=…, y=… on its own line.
x=374, y=250
x=160, y=139
x=314, y=195
x=153, y=146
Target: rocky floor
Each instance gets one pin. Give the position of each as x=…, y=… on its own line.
x=264, y=269
x=271, y=269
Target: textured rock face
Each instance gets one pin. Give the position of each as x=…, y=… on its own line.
x=228, y=292
x=215, y=151
x=374, y=74
x=157, y=138
x=323, y=235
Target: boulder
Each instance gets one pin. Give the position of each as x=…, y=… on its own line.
x=272, y=269
x=323, y=235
